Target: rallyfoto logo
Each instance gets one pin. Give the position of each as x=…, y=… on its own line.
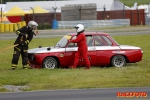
x=131, y=94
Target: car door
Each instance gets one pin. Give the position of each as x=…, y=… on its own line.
x=104, y=48
x=70, y=51
x=72, y=48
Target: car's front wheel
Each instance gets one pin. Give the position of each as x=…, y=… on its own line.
x=118, y=61
x=50, y=63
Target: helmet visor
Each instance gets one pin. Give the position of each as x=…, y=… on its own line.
x=76, y=27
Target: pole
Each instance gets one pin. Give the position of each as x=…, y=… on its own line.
x=55, y=13
x=148, y=9
x=123, y=11
x=1, y=15
x=80, y=7
x=55, y=10
x=104, y=12
x=33, y=12
x=1, y=11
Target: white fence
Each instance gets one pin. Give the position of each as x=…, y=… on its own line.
x=94, y=23
x=147, y=21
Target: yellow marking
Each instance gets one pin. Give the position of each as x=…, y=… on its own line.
x=18, y=49
x=28, y=41
x=67, y=37
x=18, y=32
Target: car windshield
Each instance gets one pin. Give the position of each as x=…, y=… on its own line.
x=62, y=43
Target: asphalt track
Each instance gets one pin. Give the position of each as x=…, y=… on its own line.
x=61, y=33
x=77, y=94
x=81, y=94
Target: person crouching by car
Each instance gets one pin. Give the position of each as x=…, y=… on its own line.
x=25, y=35
x=82, y=47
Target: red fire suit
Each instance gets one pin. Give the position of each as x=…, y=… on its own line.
x=82, y=50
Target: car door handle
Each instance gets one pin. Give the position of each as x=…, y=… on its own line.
x=91, y=48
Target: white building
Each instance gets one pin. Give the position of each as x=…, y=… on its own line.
x=49, y=5
x=2, y=6
x=146, y=9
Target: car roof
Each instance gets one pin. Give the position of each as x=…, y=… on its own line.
x=90, y=33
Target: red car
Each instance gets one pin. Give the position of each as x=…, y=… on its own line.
x=103, y=50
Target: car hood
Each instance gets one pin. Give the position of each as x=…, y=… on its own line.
x=45, y=50
x=129, y=47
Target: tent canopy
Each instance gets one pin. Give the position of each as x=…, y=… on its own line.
x=37, y=9
x=15, y=11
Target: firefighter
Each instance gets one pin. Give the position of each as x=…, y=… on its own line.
x=25, y=35
x=82, y=47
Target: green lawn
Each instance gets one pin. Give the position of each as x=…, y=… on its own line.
x=132, y=75
x=131, y=2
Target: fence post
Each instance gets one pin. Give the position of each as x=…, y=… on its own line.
x=123, y=11
x=104, y=12
x=131, y=17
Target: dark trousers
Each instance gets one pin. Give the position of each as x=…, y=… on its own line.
x=24, y=55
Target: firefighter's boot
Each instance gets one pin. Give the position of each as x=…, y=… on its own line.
x=13, y=66
x=25, y=67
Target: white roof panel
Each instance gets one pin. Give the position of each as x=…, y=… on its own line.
x=48, y=5
x=2, y=6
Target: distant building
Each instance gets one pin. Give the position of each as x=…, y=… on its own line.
x=146, y=9
x=50, y=5
x=2, y=6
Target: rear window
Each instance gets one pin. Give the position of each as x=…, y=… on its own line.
x=102, y=41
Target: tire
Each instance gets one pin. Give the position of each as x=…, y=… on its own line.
x=50, y=63
x=118, y=61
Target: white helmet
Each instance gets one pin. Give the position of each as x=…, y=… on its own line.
x=80, y=28
x=32, y=23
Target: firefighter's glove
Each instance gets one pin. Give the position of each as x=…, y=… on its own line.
x=24, y=36
x=25, y=43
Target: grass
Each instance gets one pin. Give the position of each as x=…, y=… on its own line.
x=132, y=75
x=123, y=28
x=131, y=2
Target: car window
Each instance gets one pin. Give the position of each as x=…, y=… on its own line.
x=73, y=44
x=102, y=41
x=106, y=39
x=89, y=40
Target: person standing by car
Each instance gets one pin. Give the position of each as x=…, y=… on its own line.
x=82, y=47
x=25, y=35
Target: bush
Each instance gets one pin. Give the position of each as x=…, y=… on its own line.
x=45, y=26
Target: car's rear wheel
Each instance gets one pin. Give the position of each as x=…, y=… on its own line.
x=50, y=63
x=118, y=61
